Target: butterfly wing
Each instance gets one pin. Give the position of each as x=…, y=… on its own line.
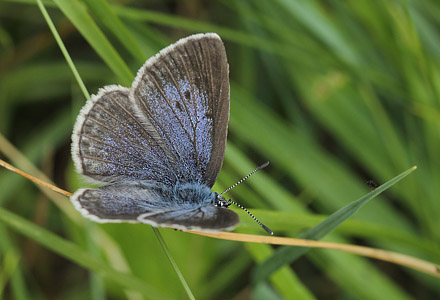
x=184, y=92
x=151, y=203
x=204, y=218
x=169, y=127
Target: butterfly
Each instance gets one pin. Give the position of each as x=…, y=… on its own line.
x=159, y=145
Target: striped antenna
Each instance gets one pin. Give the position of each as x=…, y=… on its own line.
x=244, y=208
x=253, y=217
x=246, y=177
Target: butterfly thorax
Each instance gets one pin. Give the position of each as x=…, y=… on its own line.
x=193, y=193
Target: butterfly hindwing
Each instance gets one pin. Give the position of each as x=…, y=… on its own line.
x=185, y=207
x=207, y=218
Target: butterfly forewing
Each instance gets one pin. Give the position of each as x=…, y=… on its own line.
x=184, y=92
x=169, y=127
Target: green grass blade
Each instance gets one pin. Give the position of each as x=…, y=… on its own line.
x=284, y=280
x=173, y=263
x=308, y=13
x=16, y=278
x=104, y=12
x=295, y=222
x=97, y=288
x=286, y=255
x=234, y=35
x=225, y=275
x=78, y=15
x=76, y=254
x=63, y=49
x=9, y=264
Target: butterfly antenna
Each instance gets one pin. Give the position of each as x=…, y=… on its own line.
x=253, y=217
x=244, y=208
x=246, y=177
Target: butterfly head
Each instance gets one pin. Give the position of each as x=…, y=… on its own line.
x=219, y=201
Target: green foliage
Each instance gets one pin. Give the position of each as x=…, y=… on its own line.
x=332, y=93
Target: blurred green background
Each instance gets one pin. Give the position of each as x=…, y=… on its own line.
x=332, y=93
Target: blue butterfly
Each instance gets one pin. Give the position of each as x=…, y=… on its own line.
x=159, y=145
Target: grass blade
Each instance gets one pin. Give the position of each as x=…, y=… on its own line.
x=78, y=15
x=103, y=10
x=173, y=263
x=286, y=255
x=63, y=48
